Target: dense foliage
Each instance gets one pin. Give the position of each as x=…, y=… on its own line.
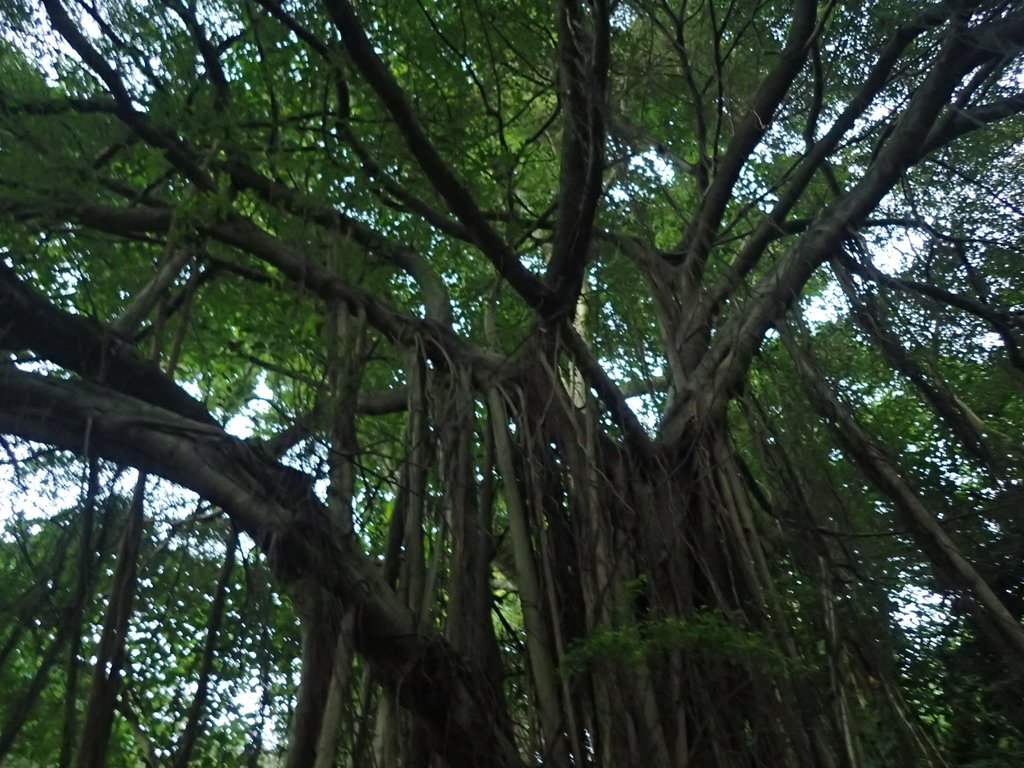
x=509, y=383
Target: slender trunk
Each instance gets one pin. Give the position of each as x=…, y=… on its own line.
x=254, y=750
x=415, y=491
x=26, y=700
x=470, y=628
x=337, y=695
x=83, y=593
x=530, y=595
x=12, y=642
x=194, y=719
x=106, y=679
x=318, y=647
x=961, y=421
x=1006, y=635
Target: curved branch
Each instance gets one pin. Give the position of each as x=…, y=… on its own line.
x=882, y=471
x=277, y=507
x=775, y=224
x=700, y=231
x=722, y=371
x=241, y=233
x=966, y=120
x=395, y=325
x=76, y=343
x=435, y=294
x=437, y=171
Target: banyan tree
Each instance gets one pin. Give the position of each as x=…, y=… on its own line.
x=502, y=384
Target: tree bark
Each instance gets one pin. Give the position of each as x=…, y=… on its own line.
x=112, y=649
x=194, y=718
x=1007, y=634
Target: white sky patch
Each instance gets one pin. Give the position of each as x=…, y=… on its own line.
x=90, y=27
x=648, y=164
x=990, y=340
x=33, y=495
x=826, y=306
x=894, y=252
x=652, y=165
x=242, y=425
x=919, y=609
x=891, y=253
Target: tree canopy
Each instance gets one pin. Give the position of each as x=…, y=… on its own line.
x=598, y=383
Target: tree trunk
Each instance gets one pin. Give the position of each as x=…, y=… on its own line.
x=682, y=644
x=194, y=719
x=110, y=655
x=319, y=641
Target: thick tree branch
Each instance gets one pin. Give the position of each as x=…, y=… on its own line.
x=277, y=507
x=926, y=529
x=583, y=75
x=769, y=229
x=437, y=171
x=29, y=321
x=722, y=371
x=699, y=236
x=964, y=121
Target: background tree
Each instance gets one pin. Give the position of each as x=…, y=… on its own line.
x=596, y=380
